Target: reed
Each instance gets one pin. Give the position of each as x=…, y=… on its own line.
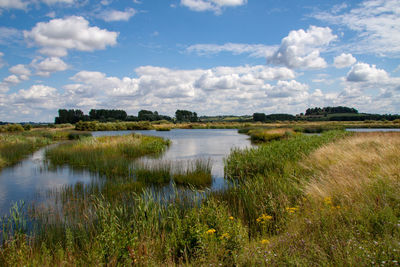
x=109, y=156
x=196, y=173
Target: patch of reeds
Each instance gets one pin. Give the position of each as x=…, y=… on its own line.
x=15, y=147
x=112, y=126
x=108, y=155
x=155, y=173
x=266, y=135
x=196, y=173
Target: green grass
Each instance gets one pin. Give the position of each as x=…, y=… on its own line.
x=197, y=173
x=321, y=200
x=108, y=155
x=15, y=147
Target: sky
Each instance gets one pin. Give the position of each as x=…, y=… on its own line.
x=214, y=57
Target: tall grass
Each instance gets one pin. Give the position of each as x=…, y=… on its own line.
x=108, y=155
x=304, y=201
x=14, y=147
x=196, y=173
x=350, y=213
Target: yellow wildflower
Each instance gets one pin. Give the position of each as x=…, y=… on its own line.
x=231, y=218
x=264, y=218
x=328, y=201
x=265, y=241
x=225, y=236
x=211, y=231
x=291, y=209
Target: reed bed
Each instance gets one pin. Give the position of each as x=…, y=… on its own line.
x=196, y=173
x=15, y=147
x=266, y=135
x=108, y=155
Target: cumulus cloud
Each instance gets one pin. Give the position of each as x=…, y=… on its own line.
x=49, y=65
x=362, y=72
x=20, y=69
x=117, y=15
x=301, y=49
x=58, y=36
x=344, y=60
x=211, y=5
x=52, y=2
x=254, y=50
x=376, y=23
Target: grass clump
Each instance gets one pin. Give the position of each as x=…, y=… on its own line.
x=15, y=147
x=108, y=155
x=197, y=173
x=156, y=173
x=266, y=135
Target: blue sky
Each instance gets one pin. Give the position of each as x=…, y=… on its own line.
x=210, y=56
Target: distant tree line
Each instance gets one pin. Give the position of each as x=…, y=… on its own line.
x=186, y=116
x=330, y=110
x=339, y=113
x=113, y=115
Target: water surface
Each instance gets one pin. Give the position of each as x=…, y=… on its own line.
x=31, y=176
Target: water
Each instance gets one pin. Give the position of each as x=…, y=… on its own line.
x=31, y=176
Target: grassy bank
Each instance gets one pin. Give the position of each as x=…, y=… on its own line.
x=108, y=155
x=306, y=200
x=15, y=147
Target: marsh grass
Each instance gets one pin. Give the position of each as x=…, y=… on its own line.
x=321, y=200
x=108, y=155
x=15, y=147
x=154, y=173
x=266, y=135
x=196, y=173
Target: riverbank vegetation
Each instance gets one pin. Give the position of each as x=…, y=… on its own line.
x=17, y=143
x=330, y=199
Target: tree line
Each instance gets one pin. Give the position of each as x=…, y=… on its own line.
x=339, y=113
x=113, y=115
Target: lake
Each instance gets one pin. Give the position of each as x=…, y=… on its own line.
x=31, y=177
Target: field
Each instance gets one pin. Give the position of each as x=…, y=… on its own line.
x=301, y=200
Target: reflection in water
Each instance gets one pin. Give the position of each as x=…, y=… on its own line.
x=32, y=176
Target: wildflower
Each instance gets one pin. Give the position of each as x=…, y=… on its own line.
x=211, y=231
x=231, y=218
x=291, y=209
x=225, y=236
x=328, y=201
x=264, y=218
x=265, y=241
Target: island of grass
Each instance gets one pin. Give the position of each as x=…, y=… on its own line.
x=107, y=155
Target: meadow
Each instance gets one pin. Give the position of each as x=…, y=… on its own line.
x=329, y=199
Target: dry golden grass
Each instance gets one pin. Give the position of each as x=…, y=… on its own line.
x=344, y=168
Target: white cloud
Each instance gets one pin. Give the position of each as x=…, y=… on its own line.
x=254, y=50
x=58, y=36
x=301, y=49
x=362, y=72
x=116, y=15
x=376, y=23
x=1, y=60
x=211, y=5
x=344, y=60
x=288, y=89
x=49, y=65
x=52, y=2
x=12, y=79
x=20, y=69
x=18, y=4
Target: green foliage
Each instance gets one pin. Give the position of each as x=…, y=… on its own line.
x=186, y=116
x=197, y=173
x=107, y=115
x=112, y=126
x=69, y=116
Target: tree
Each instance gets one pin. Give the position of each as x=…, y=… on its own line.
x=186, y=116
x=69, y=116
